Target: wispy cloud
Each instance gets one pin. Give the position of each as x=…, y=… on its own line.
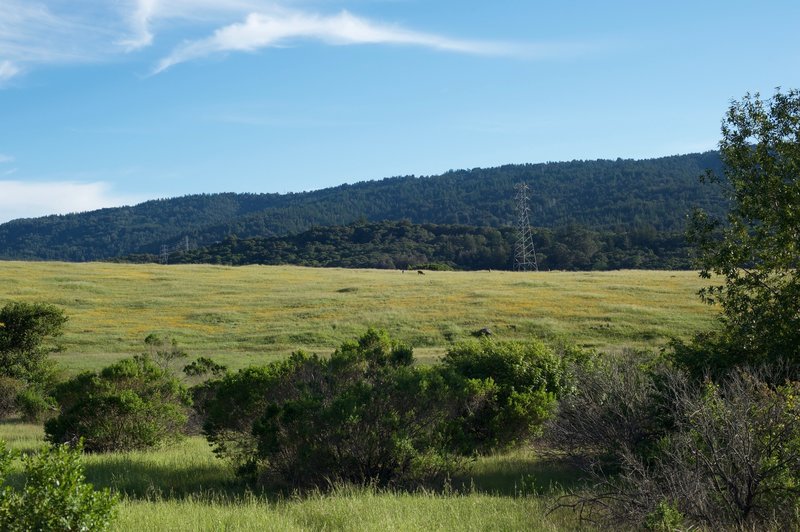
x=37, y=32
x=5, y=158
x=20, y=199
x=31, y=33
x=140, y=20
x=8, y=70
x=282, y=26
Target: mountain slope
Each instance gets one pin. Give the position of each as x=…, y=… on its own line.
x=601, y=195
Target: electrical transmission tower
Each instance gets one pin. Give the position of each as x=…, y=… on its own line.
x=524, y=252
x=167, y=250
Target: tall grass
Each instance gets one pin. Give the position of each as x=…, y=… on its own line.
x=349, y=509
x=185, y=487
x=253, y=314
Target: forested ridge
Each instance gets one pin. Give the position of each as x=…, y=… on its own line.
x=605, y=196
x=404, y=245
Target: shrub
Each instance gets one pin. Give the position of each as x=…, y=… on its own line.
x=232, y=405
x=620, y=406
x=9, y=389
x=133, y=404
x=55, y=495
x=507, y=389
x=731, y=462
x=365, y=416
x=35, y=405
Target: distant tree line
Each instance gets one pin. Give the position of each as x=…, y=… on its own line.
x=604, y=196
x=403, y=245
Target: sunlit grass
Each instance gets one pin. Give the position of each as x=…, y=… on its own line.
x=185, y=487
x=254, y=314
x=349, y=509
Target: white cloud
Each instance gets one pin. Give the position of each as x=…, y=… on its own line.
x=140, y=20
x=7, y=71
x=261, y=30
x=20, y=199
x=5, y=158
x=39, y=32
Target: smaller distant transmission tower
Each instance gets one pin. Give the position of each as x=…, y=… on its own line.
x=524, y=252
x=167, y=250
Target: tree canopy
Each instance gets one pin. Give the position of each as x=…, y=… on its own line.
x=755, y=251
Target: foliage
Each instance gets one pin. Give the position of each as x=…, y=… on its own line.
x=732, y=462
x=232, y=405
x=55, y=495
x=617, y=195
x=509, y=389
x=24, y=330
x=9, y=390
x=364, y=416
x=757, y=249
x=403, y=245
x=133, y=404
x=35, y=405
x=620, y=407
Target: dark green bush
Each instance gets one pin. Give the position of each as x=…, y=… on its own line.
x=366, y=415
x=133, y=404
x=55, y=496
x=507, y=389
x=231, y=405
x=369, y=415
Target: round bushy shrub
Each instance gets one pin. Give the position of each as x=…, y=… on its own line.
x=133, y=404
x=55, y=495
x=508, y=390
x=365, y=415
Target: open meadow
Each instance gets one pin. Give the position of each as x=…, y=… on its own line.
x=247, y=315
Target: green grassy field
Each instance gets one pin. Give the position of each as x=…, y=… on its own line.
x=248, y=315
x=253, y=314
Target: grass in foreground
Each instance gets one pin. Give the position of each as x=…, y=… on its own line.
x=185, y=487
x=253, y=314
x=349, y=509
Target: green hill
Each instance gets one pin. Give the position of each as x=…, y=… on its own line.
x=604, y=195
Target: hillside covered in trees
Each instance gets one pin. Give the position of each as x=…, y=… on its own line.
x=603, y=196
x=405, y=245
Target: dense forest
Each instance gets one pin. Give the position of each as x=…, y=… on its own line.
x=428, y=246
x=606, y=197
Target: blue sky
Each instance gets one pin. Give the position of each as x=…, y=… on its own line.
x=105, y=102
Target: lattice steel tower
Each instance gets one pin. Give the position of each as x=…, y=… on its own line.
x=524, y=252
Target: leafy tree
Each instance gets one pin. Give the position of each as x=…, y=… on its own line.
x=55, y=496
x=756, y=250
x=24, y=330
x=26, y=374
x=133, y=404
